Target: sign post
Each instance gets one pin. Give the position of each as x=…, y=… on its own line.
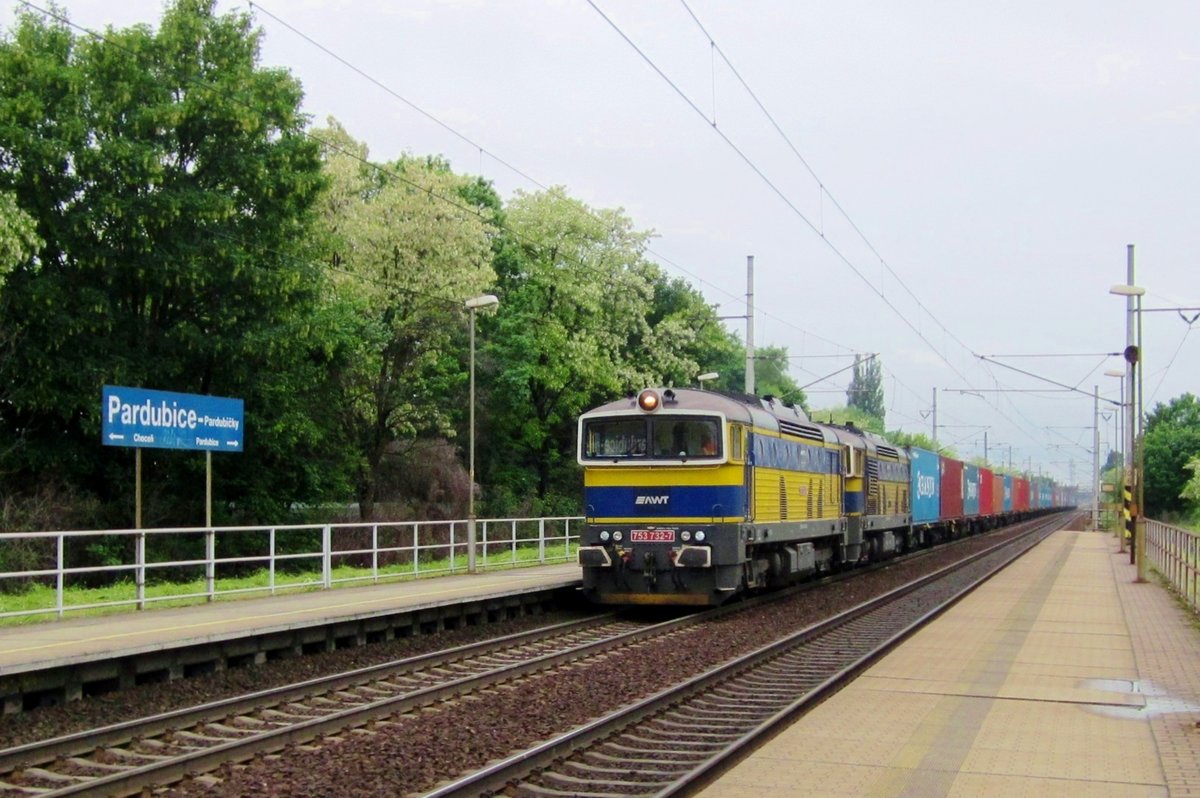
x=141, y=418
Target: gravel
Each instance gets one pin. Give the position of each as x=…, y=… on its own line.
x=416, y=751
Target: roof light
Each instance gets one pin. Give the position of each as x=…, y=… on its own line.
x=648, y=400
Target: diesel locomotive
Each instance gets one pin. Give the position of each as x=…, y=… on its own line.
x=692, y=497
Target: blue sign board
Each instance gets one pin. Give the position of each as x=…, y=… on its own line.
x=141, y=418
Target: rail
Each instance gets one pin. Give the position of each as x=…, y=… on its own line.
x=271, y=558
x=1175, y=553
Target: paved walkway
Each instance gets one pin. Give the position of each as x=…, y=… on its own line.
x=84, y=639
x=1060, y=676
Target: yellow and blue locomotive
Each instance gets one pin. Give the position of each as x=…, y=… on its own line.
x=692, y=497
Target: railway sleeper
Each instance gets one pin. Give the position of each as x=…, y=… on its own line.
x=51, y=777
x=196, y=737
x=669, y=745
x=616, y=769
x=614, y=774
x=715, y=713
x=245, y=723
x=667, y=755
x=284, y=718
x=99, y=767
x=555, y=779
x=232, y=731
x=525, y=790
x=16, y=789
x=729, y=693
x=372, y=690
x=133, y=757
x=693, y=731
x=624, y=761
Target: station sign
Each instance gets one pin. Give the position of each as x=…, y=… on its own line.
x=142, y=418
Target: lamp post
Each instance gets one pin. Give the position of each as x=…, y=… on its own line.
x=708, y=375
x=473, y=304
x=1122, y=419
x=1134, y=523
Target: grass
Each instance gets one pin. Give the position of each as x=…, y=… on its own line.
x=76, y=600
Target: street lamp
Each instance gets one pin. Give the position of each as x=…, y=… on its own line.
x=1123, y=417
x=473, y=304
x=1133, y=358
x=708, y=375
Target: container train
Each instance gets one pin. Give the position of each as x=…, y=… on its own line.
x=693, y=497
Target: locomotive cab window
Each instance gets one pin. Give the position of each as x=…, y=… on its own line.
x=614, y=438
x=660, y=438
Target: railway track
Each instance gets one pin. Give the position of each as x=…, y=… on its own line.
x=671, y=743
x=128, y=758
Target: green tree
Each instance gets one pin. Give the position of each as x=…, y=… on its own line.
x=18, y=234
x=575, y=292
x=866, y=387
x=170, y=181
x=1191, y=489
x=771, y=376
x=404, y=247
x=1172, y=439
x=920, y=440
x=848, y=415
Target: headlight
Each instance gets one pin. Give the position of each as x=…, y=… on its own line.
x=700, y=535
x=618, y=536
x=604, y=536
x=685, y=536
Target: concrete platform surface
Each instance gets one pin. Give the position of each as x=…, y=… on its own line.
x=1060, y=676
x=76, y=640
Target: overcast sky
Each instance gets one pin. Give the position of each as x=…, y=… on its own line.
x=993, y=162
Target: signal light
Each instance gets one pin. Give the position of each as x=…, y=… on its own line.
x=648, y=400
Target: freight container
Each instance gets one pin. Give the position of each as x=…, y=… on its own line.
x=970, y=490
x=987, y=484
x=1020, y=494
x=951, y=489
x=925, y=474
x=1008, y=497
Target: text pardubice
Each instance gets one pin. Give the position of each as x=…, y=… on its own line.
x=162, y=415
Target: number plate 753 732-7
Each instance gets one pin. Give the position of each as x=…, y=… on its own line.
x=652, y=536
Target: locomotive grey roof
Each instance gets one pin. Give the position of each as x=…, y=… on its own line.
x=761, y=412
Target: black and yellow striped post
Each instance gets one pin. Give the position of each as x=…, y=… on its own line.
x=1129, y=523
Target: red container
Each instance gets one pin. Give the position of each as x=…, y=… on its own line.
x=1020, y=493
x=987, y=489
x=998, y=494
x=951, y=488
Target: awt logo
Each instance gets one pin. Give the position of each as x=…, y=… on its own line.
x=650, y=500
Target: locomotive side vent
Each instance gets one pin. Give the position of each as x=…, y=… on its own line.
x=872, y=486
x=801, y=431
x=887, y=451
x=783, y=500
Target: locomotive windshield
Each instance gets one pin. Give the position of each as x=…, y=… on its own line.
x=651, y=438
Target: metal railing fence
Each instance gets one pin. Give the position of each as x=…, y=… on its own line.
x=283, y=558
x=1175, y=553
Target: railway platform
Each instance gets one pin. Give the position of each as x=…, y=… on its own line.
x=60, y=661
x=1060, y=676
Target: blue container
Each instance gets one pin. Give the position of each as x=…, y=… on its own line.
x=926, y=485
x=1008, y=493
x=1045, y=493
x=970, y=490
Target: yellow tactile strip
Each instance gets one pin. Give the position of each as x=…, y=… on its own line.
x=1023, y=688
